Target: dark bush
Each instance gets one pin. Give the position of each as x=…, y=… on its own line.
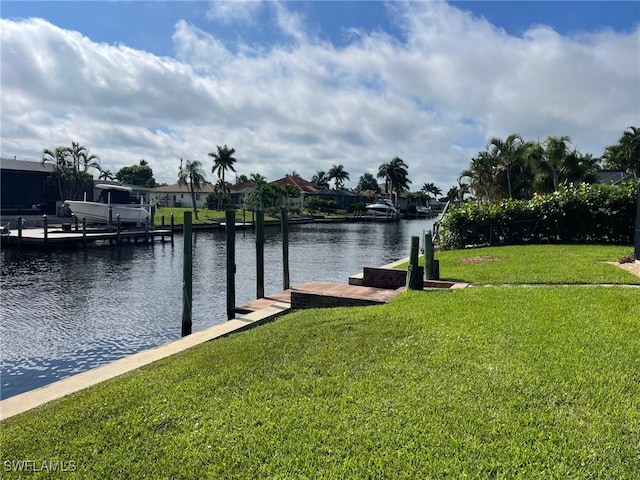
x=575, y=214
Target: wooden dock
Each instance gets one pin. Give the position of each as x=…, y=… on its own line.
x=58, y=237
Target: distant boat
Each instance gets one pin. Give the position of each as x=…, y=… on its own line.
x=382, y=208
x=423, y=211
x=114, y=197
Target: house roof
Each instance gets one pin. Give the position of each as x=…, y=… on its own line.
x=242, y=188
x=25, y=166
x=613, y=176
x=300, y=183
x=337, y=193
x=175, y=188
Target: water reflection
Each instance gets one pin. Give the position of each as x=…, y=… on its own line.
x=65, y=312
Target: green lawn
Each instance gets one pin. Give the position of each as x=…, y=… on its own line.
x=494, y=382
x=204, y=216
x=550, y=264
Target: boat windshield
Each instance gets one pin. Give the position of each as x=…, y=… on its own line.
x=117, y=196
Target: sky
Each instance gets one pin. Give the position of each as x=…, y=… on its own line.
x=301, y=86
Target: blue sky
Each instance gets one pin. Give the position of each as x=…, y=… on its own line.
x=305, y=85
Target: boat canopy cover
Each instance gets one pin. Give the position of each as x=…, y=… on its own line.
x=106, y=186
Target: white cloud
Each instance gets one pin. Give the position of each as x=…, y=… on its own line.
x=231, y=11
x=433, y=97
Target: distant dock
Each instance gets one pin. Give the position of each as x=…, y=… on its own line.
x=61, y=236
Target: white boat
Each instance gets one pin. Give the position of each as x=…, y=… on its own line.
x=114, y=197
x=423, y=211
x=382, y=208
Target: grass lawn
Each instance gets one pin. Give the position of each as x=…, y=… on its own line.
x=204, y=216
x=549, y=264
x=495, y=382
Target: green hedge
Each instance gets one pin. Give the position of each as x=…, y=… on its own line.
x=575, y=214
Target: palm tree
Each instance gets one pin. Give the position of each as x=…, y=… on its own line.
x=106, y=175
x=339, y=175
x=194, y=177
x=80, y=157
x=223, y=160
x=221, y=189
x=320, y=179
x=367, y=182
x=257, y=178
x=481, y=175
x=509, y=153
x=396, y=176
x=58, y=158
x=261, y=192
x=431, y=189
x=463, y=188
x=553, y=153
x=625, y=155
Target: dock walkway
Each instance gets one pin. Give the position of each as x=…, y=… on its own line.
x=57, y=237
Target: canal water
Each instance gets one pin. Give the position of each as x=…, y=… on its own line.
x=65, y=312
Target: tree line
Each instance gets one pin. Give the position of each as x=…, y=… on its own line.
x=510, y=168
x=514, y=168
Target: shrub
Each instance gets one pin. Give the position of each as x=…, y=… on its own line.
x=576, y=214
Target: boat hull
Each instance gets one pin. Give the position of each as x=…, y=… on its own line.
x=99, y=212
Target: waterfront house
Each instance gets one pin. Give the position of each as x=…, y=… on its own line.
x=343, y=198
x=179, y=196
x=303, y=186
x=239, y=190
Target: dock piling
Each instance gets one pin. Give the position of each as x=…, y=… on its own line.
x=428, y=256
x=260, y=253
x=84, y=232
x=285, y=249
x=187, y=280
x=19, y=231
x=414, y=273
x=118, y=239
x=45, y=224
x=231, y=263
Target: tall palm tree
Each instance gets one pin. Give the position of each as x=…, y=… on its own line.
x=192, y=176
x=223, y=160
x=82, y=159
x=339, y=175
x=509, y=153
x=396, y=176
x=320, y=179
